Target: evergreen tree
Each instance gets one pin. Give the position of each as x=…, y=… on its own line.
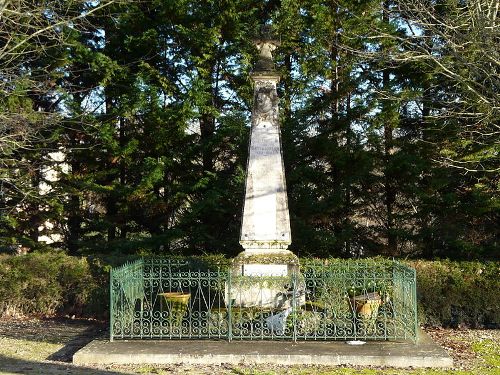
x=389, y=125
x=168, y=172
x=324, y=150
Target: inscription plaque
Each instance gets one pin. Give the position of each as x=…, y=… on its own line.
x=265, y=270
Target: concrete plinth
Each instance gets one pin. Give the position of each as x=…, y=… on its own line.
x=394, y=354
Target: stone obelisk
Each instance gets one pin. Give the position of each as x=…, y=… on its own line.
x=265, y=229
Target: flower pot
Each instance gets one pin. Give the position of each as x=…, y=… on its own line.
x=366, y=306
x=175, y=304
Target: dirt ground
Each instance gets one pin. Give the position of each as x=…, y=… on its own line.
x=47, y=346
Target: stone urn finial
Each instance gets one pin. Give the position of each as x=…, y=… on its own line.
x=266, y=43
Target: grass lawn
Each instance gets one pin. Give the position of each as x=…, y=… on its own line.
x=47, y=346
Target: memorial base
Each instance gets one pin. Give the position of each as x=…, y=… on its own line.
x=268, y=259
x=265, y=279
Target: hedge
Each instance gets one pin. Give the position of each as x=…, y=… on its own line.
x=450, y=293
x=47, y=284
x=455, y=293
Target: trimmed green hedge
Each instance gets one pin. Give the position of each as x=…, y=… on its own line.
x=453, y=293
x=45, y=284
x=53, y=283
x=450, y=293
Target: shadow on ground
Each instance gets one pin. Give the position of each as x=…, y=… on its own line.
x=22, y=349
x=54, y=331
x=21, y=366
x=65, y=354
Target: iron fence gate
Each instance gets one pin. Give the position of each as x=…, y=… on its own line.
x=344, y=300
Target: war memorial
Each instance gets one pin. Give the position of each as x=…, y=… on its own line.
x=266, y=307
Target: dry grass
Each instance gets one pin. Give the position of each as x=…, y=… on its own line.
x=47, y=346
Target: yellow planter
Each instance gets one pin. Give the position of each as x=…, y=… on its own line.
x=175, y=303
x=367, y=306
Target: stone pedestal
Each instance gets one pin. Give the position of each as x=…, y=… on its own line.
x=266, y=279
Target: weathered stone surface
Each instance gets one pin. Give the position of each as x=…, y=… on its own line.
x=280, y=257
x=266, y=221
x=265, y=229
x=268, y=284
x=383, y=353
x=271, y=293
x=266, y=44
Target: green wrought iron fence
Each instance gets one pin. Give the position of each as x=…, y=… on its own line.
x=126, y=296
x=343, y=300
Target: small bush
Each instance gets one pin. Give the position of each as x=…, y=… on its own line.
x=454, y=293
x=51, y=283
x=449, y=293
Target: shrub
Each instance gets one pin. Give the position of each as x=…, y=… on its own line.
x=51, y=283
x=454, y=293
x=449, y=293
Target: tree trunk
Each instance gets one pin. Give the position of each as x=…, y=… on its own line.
x=207, y=130
x=287, y=82
x=390, y=191
x=347, y=201
x=74, y=216
x=110, y=202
